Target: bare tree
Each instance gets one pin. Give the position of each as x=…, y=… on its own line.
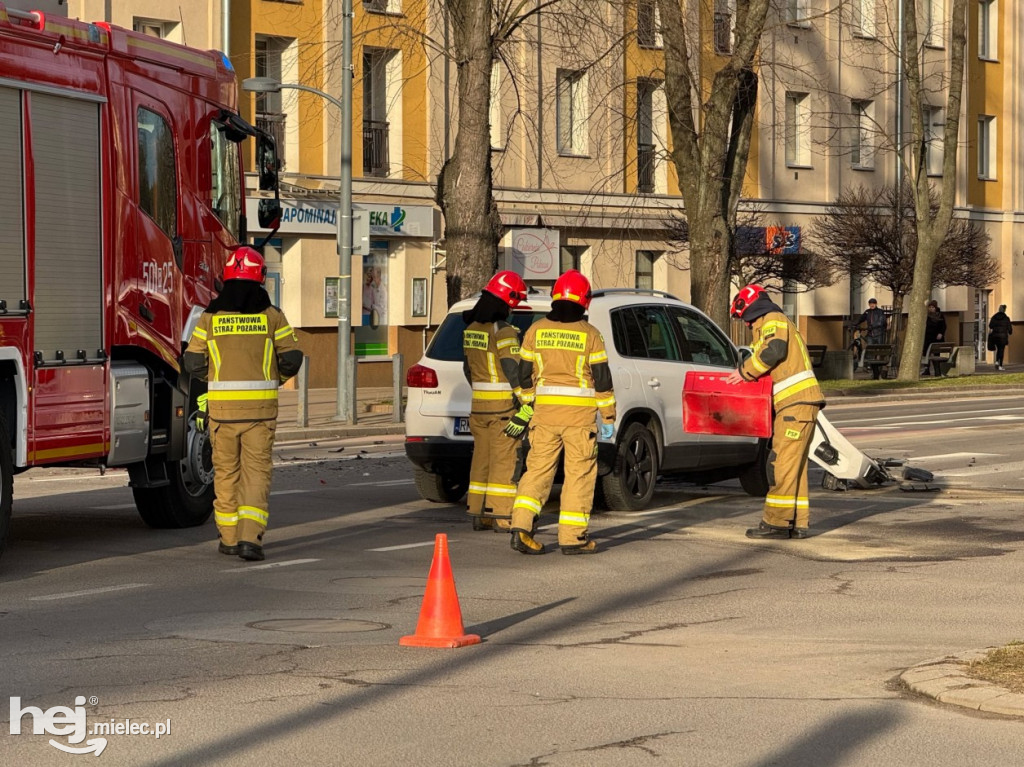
x=932, y=222
x=873, y=235
x=711, y=143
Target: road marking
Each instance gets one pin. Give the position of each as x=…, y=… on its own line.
x=408, y=546
x=269, y=565
x=118, y=507
x=383, y=482
x=952, y=455
x=289, y=492
x=683, y=505
x=89, y=592
x=959, y=415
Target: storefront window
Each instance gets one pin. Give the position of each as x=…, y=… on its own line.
x=372, y=337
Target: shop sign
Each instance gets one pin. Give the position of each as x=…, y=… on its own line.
x=532, y=252
x=321, y=217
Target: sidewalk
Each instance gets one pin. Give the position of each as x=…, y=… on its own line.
x=374, y=416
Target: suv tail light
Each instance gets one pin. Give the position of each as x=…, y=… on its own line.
x=421, y=377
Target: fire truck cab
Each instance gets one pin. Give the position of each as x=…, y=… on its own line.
x=121, y=198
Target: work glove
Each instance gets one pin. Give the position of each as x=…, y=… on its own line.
x=517, y=425
x=607, y=430
x=201, y=414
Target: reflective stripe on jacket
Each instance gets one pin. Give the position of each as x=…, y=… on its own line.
x=485, y=345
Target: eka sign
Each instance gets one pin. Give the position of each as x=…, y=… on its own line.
x=533, y=253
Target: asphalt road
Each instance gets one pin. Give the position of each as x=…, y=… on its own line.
x=681, y=642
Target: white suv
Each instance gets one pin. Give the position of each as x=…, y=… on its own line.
x=653, y=339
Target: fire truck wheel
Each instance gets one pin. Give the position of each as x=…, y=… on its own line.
x=629, y=486
x=6, y=482
x=188, y=500
x=754, y=478
x=440, y=488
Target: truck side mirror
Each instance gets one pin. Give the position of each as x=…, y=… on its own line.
x=267, y=162
x=269, y=213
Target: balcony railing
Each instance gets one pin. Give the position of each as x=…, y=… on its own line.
x=375, y=148
x=645, y=168
x=273, y=123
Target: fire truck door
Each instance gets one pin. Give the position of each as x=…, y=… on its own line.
x=159, y=246
x=65, y=213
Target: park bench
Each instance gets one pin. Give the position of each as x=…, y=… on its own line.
x=941, y=358
x=878, y=357
x=816, y=353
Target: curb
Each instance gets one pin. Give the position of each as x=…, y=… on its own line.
x=342, y=431
x=944, y=680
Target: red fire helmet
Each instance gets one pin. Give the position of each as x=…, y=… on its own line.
x=508, y=286
x=572, y=286
x=744, y=299
x=245, y=263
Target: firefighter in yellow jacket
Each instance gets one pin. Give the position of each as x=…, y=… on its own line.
x=779, y=351
x=245, y=349
x=491, y=365
x=566, y=383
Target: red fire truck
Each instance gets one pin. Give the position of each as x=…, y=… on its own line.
x=121, y=196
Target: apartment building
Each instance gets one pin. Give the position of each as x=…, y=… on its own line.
x=580, y=146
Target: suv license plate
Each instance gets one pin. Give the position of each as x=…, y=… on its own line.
x=462, y=425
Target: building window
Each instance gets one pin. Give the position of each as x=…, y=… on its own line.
x=987, y=147
x=988, y=47
x=645, y=160
x=934, y=16
x=862, y=154
x=723, y=26
x=497, y=124
x=796, y=13
x=934, y=126
x=270, y=116
x=376, y=128
x=863, y=18
x=644, y=278
x=167, y=30
x=648, y=24
x=382, y=6
x=573, y=105
x=570, y=257
x=798, y=130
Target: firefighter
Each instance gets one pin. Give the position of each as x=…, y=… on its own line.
x=245, y=348
x=566, y=382
x=779, y=351
x=491, y=366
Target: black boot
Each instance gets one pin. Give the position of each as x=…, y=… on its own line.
x=799, y=532
x=764, y=530
x=524, y=543
x=250, y=552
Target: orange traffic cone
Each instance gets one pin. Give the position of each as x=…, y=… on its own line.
x=440, y=623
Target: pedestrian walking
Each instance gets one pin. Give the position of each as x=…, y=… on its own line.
x=934, y=331
x=875, y=321
x=779, y=351
x=566, y=383
x=491, y=365
x=245, y=349
x=999, y=331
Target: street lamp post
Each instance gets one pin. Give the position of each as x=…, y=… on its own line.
x=344, y=219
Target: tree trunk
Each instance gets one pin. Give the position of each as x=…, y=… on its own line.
x=465, y=193
x=931, y=229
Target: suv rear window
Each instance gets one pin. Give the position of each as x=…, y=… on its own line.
x=446, y=345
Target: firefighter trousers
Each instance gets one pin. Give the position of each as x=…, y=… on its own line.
x=242, y=465
x=546, y=445
x=786, y=504
x=494, y=462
